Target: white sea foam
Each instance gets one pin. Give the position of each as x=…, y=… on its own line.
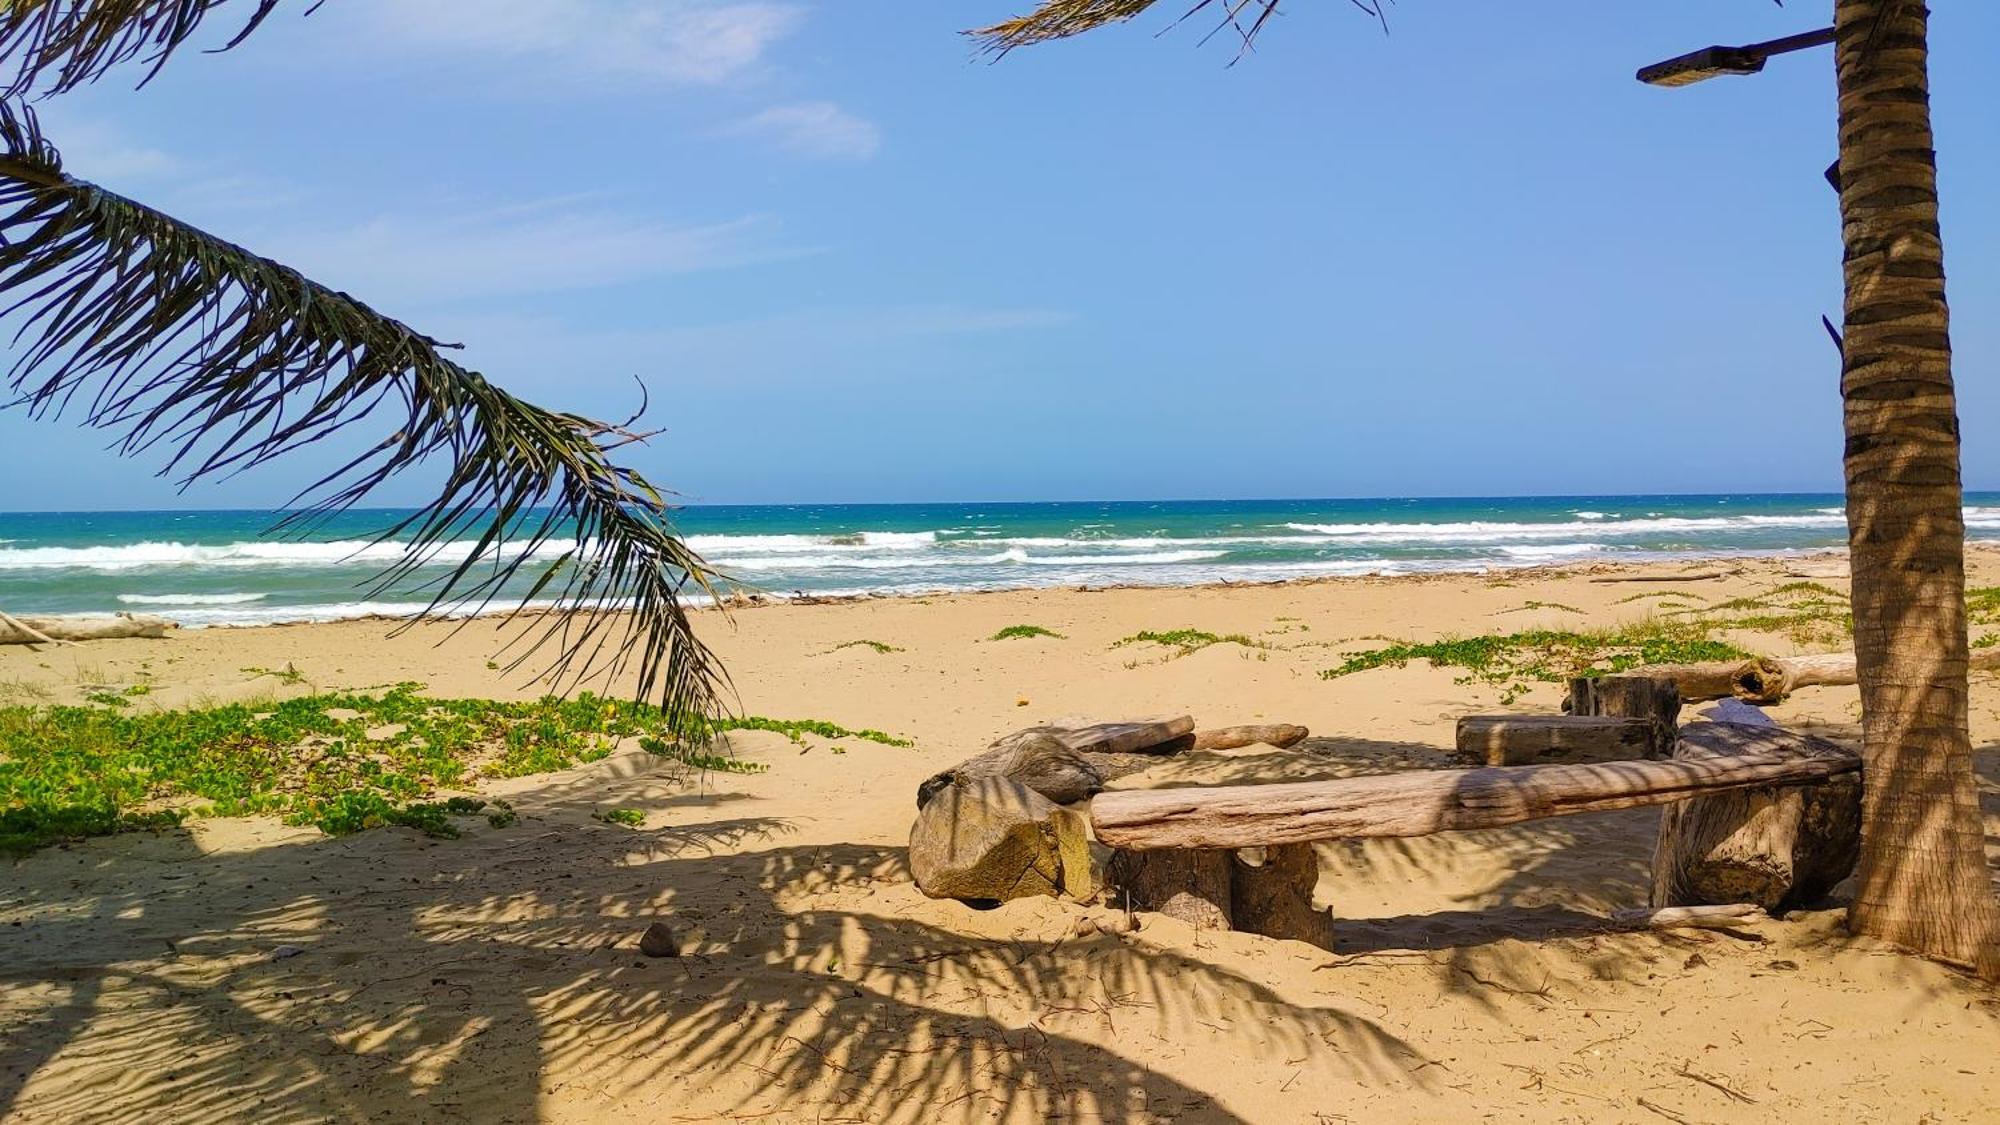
x=191, y=599
x=1588, y=515
x=151, y=555
x=1481, y=531
x=1552, y=550
x=1151, y=559
x=1013, y=555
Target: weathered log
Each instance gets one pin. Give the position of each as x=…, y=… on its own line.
x=1067, y=764
x=1699, y=682
x=33, y=635
x=1776, y=847
x=1783, y=675
x=1769, y=679
x=1191, y=885
x=1520, y=740
x=1271, y=893
x=991, y=840
x=80, y=627
x=1280, y=735
x=1732, y=916
x=1422, y=802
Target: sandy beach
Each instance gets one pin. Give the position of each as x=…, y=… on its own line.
x=244, y=970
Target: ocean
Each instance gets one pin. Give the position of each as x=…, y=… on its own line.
x=220, y=568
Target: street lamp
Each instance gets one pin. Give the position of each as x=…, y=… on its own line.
x=1714, y=62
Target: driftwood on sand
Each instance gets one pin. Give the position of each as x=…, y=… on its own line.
x=1776, y=847
x=79, y=627
x=1427, y=801
x=1769, y=679
x=1280, y=735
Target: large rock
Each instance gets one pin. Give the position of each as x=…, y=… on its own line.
x=1069, y=763
x=988, y=840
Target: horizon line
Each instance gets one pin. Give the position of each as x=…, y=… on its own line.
x=941, y=503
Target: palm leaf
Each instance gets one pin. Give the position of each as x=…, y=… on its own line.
x=1060, y=19
x=173, y=338
x=73, y=42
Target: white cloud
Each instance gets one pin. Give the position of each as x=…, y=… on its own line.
x=517, y=250
x=102, y=153
x=595, y=41
x=821, y=130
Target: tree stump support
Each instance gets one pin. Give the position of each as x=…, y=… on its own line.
x=1267, y=891
x=1777, y=847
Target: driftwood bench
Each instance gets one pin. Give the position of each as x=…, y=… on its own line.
x=1756, y=814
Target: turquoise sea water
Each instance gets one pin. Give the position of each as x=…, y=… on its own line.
x=219, y=568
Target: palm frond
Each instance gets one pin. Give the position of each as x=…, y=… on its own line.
x=1060, y=19
x=173, y=338
x=62, y=44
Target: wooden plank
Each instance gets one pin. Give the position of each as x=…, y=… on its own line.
x=1522, y=740
x=1422, y=802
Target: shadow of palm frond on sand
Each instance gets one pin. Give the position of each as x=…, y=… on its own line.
x=387, y=976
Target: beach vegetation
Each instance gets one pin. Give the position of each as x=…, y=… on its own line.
x=1526, y=607
x=1023, y=632
x=629, y=818
x=338, y=761
x=1515, y=662
x=13, y=692
x=1661, y=595
x=880, y=647
x=1188, y=640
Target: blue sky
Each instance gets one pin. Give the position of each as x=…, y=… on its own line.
x=854, y=262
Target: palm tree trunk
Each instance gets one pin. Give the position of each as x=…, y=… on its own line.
x=1922, y=880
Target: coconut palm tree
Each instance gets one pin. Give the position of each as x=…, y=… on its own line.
x=1922, y=879
x=187, y=345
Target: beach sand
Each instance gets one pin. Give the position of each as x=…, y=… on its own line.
x=495, y=978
